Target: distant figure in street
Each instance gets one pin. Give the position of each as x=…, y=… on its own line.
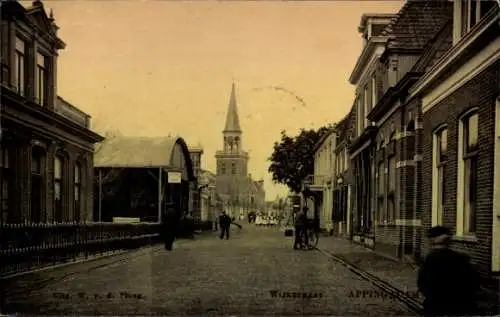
x=170, y=226
x=224, y=224
x=447, y=279
x=300, y=225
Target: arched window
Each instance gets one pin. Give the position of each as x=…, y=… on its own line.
x=58, y=187
x=236, y=143
x=77, y=186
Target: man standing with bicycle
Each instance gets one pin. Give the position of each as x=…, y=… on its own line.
x=301, y=224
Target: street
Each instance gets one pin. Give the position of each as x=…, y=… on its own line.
x=256, y=272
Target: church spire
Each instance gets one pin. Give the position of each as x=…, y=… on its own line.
x=232, y=118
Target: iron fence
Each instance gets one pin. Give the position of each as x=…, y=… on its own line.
x=25, y=247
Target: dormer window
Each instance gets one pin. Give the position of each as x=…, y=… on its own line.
x=471, y=12
x=41, y=79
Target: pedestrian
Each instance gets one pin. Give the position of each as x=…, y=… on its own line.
x=447, y=279
x=170, y=228
x=224, y=224
x=300, y=225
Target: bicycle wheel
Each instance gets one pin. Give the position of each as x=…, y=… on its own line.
x=303, y=236
x=313, y=238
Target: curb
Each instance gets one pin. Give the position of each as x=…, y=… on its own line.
x=414, y=305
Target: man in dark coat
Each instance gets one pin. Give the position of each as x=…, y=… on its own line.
x=224, y=224
x=300, y=225
x=447, y=279
x=170, y=227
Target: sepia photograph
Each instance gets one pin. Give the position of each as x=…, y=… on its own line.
x=250, y=158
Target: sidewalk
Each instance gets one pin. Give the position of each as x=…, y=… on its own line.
x=402, y=276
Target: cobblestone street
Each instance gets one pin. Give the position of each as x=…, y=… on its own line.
x=208, y=276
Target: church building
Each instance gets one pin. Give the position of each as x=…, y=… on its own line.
x=236, y=189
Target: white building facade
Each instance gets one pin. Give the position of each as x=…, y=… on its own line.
x=321, y=184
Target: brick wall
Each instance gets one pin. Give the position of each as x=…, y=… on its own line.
x=480, y=92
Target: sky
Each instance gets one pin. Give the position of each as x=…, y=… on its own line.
x=154, y=68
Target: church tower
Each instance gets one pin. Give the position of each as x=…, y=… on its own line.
x=232, y=161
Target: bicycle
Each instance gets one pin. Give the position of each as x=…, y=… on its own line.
x=312, y=238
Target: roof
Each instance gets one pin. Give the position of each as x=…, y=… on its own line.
x=323, y=138
x=343, y=127
x=436, y=47
x=417, y=22
x=232, y=118
x=130, y=151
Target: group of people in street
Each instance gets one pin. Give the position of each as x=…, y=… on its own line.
x=447, y=279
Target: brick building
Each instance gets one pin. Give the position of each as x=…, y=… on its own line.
x=460, y=142
x=383, y=159
x=47, y=146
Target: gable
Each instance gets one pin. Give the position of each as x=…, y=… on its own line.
x=41, y=19
x=436, y=47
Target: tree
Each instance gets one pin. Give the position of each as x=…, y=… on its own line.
x=109, y=176
x=292, y=159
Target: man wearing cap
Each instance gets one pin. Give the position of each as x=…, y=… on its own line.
x=447, y=279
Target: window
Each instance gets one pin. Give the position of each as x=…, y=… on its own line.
x=472, y=11
x=392, y=174
x=366, y=105
x=4, y=49
x=391, y=184
x=341, y=163
x=346, y=155
x=4, y=184
x=381, y=178
x=381, y=186
x=77, y=190
x=41, y=79
x=233, y=168
x=360, y=116
x=20, y=66
x=223, y=169
x=374, y=91
x=469, y=157
x=440, y=154
x=58, y=188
